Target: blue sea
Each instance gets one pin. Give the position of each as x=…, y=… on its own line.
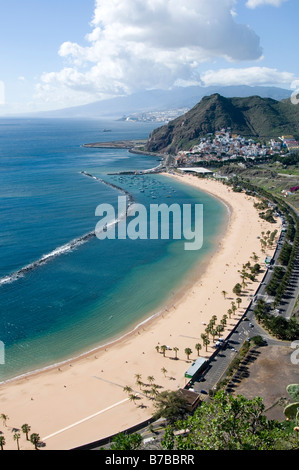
x=63, y=293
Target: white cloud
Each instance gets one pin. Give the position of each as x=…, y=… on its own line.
x=256, y=3
x=246, y=76
x=139, y=44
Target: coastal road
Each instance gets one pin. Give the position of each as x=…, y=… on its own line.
x=247, y=327
x=222, y=358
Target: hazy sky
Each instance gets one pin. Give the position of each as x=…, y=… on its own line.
x=60, y=53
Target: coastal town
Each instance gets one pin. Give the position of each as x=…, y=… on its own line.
x=225, y=145
x=163, y=117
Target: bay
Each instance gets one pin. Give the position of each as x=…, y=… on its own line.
x=93, y=292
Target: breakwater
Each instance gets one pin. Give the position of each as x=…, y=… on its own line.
x=67, y=247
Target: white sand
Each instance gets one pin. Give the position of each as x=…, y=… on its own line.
x=84, y=400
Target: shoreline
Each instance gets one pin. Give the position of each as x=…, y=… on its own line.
x=192, y=277
x=50, y=413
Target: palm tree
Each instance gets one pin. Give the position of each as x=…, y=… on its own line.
x=138, y=380
x=239, y=301
x=223, y=321
x=213, y=333
x=2, y=442
x=163, y=349
x=243, y=277
x=206, y=341
x=35, y=440
x=164, y=371
x=219, y=329
x=139, y=383
x=198, y=347
x=237, y=289
x=230, y=312
x=188, y=351
x=127, y=389
x=151, y=379
x=4, y=419
x=16, y=437
x=170, y=405
x=176, y=352
x=208, y=330
x=157, y=348
x=26, y=429
x=133, y=397
x=203, y=336
x=224, y=293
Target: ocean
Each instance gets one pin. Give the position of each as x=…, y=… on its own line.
x=63, y=291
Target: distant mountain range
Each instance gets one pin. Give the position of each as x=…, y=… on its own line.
x=160, y=100
x=252, y=116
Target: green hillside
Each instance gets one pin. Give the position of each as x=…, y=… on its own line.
x=251, y=117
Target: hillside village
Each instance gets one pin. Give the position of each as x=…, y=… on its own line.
x=224, y=145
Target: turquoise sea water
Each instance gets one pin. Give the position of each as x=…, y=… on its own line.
x=87, y=293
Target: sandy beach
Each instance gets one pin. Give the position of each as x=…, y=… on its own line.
x=84, y=400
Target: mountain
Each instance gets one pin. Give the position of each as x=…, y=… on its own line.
x=160, y=100
x=252, y=116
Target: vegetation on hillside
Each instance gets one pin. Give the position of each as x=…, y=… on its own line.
x=250, y=117
x=229, y=422
x=224, y=422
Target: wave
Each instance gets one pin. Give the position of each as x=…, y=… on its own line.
x=68, y=247
x=45, y=258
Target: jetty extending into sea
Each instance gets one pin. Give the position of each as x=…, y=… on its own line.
x=137, y=146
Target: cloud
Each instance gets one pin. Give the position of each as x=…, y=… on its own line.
x=246, y=76
x=146, y=44
x=256, y=3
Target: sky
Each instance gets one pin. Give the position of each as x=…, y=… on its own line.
x=61, y=53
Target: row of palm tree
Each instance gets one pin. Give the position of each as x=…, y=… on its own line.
x=25, y=428
x=188, y=351
x=212, y=330
x=146, y=391
x=248, y=271
x=267, y=239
